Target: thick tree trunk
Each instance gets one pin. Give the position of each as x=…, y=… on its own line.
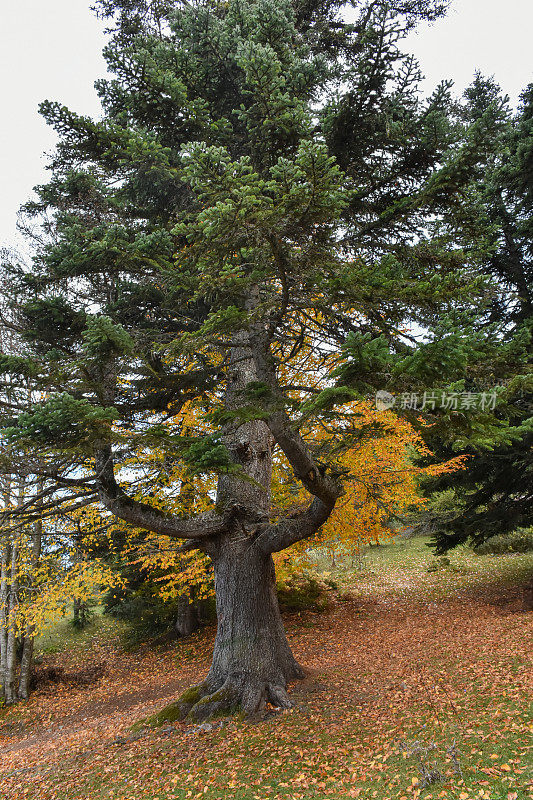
x=251, y=650
x=252, y=659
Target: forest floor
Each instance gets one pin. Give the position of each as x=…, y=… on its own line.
x=419, y=686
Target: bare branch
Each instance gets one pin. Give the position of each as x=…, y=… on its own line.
x=115, y=499
x=290, y=530
x=305, y=468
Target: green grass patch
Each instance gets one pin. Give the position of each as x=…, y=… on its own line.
x=61, y=635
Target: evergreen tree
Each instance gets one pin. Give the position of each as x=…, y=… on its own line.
x=265, y=175
x=494, y=493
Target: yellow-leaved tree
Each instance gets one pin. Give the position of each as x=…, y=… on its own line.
x=43, y=570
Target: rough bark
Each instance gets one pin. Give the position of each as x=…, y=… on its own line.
x=252, y=660
x=249, y=443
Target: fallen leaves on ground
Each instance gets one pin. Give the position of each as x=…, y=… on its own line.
x=398, y=690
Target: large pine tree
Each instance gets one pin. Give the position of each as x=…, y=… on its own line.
x=264, y=175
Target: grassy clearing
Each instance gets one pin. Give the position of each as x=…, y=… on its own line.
x=61, y=635
x=295, y=757
x=407, y=568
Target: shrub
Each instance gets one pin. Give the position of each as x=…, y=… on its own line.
x=444, y=563
x=148, y=617
x=302, y=593
x=520, y=541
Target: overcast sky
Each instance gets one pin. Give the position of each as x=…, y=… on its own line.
x=52, y=50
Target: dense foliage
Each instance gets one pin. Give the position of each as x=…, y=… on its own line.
x=494, y=494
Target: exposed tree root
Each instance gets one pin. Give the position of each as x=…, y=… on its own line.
x=245, y=694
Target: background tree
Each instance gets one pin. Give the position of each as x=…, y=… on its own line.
x=265, y=176
x=493, y=495
x=41, y=572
